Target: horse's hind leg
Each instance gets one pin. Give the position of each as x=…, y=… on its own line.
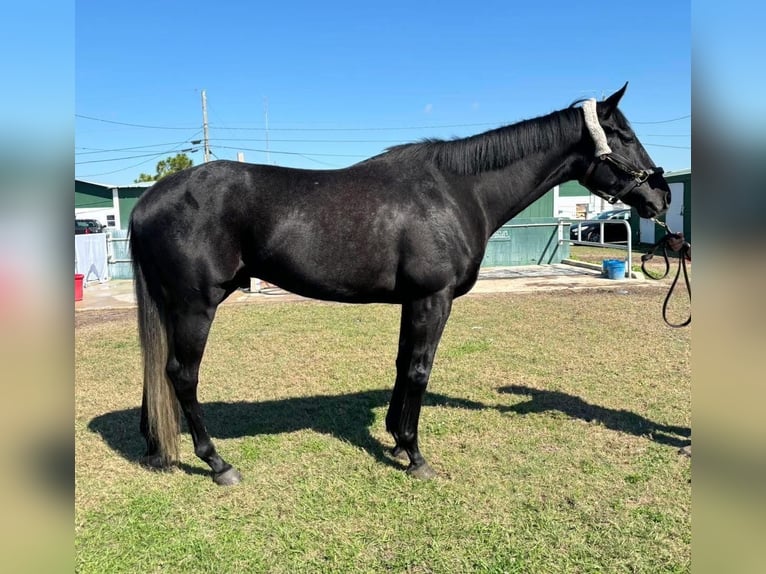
x=422, y=325
x=188, y=334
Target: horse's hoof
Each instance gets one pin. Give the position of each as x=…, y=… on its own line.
x=228, y=477
x=422, y=472
x=399, y=453
x=686, y=451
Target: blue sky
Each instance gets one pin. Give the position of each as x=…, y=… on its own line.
x=341, y=81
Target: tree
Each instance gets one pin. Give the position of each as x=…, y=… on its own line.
x=166, y=167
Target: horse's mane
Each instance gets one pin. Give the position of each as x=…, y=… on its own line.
x=496, y=148
x=493, y=149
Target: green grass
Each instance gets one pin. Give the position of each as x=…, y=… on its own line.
x=597, y=254
x=656, y=265
x=552, y=420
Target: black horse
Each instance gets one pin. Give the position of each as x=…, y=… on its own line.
x=409, y=227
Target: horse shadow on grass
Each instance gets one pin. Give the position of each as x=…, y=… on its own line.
x=346, y=417
x=349, y=418
x=576, y=408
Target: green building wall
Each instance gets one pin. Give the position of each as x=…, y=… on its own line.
x=128, y=199
x=511, y=246
x=684, y=177
x=91, y=195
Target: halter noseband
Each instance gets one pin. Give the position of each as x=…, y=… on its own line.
x=604, y=154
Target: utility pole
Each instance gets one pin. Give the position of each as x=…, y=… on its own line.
x=205, y=137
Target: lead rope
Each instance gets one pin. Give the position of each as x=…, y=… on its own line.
x=684, y=253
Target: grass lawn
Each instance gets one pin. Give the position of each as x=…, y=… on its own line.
x=656, y=265
x=553, y=421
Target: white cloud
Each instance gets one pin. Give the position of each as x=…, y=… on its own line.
x=429, y=108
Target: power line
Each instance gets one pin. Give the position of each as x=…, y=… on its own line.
x=122, y=168
x=92, y=151
x=291, y=152
x=320, y=162
x=305, y=155
x=346, y=129
x=664, y=145
x=664, y=121
x=95, y=150
x=303, y=140
x=147, y=126
x=188, y=150
x=132, y=125
x=195, y=134
x=150, y=156
x=340, y=141
x=370, y=129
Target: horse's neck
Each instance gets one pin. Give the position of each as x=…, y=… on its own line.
x=506, y=192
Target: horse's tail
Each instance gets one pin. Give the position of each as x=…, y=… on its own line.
x=159, y=396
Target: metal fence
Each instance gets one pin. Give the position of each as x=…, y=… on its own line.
x=118, y=254
x=627, y=246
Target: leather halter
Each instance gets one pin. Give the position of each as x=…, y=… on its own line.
x=639, y=175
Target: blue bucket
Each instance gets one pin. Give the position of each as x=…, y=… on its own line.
x=614, y=268
x=604, y=263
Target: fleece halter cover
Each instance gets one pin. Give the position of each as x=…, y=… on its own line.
x=595, y=129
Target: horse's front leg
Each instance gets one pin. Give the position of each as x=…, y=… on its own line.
x=422, y=326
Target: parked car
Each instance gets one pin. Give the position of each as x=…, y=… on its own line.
x=613, y=232
x=83, y=226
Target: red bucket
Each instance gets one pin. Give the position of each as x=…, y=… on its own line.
x=78, y=279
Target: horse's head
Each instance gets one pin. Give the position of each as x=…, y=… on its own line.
x=619, y=167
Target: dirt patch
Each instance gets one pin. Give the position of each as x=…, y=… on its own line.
x=89, y=318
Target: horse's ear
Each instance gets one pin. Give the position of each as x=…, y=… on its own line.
x=610, y=104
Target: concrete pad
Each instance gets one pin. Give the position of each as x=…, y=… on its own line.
x=118, y=294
